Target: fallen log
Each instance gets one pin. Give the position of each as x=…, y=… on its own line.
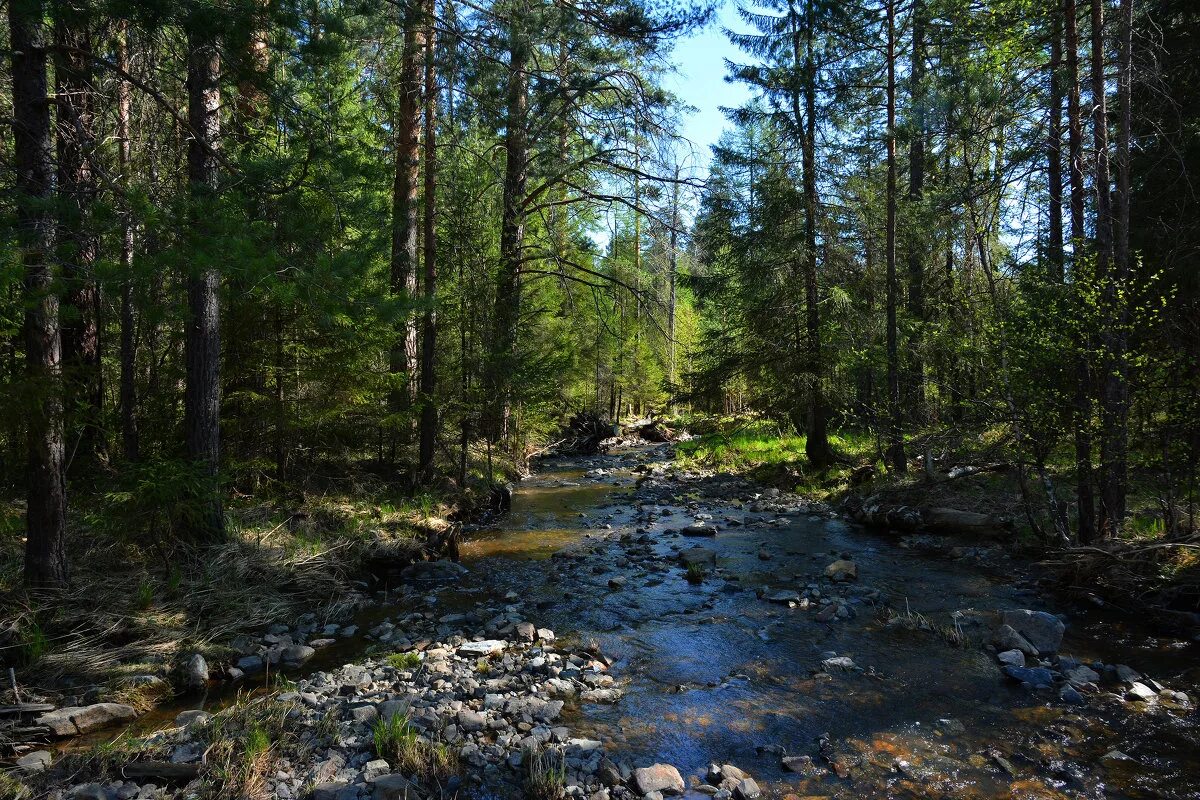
x=26, y=708
x=162, y=770
x=949, y=521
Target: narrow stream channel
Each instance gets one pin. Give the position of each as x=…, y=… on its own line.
x=713, y=672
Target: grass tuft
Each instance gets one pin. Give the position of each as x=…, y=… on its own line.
x=404, y=661
x=400, y=745
x=545, y=775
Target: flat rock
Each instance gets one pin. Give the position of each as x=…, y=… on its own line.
x=480, y=649
x=1037, y=677
x=73, y=720
x=842, y=570
x=699, y=530
x=1014, y=658
x=658, y=778
x=296, y=654
x=35, y=762
x=698, y=556
x=1042, y=630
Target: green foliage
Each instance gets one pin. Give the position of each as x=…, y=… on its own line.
x=404, y=661
x=545, y=774
x=396, y=741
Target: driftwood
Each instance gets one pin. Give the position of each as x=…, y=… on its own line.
x=875, y=512
x=162, y=770
x=26, y=708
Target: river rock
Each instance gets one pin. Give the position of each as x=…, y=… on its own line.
x=1006, y=637
x=195, y=672
x=658, y=778
x=1014, y=657
x=699, y=556
x=1081, y=675
x=747, y=789
x=1042, y=630
x=838, y=662
x=35, y=762
x=842, y=570
x=296, y=654
x=480, y=649
x=190, y=717
x=1036, y=677
x=700, y=530
x=470, y=721
x=89, y=791
x=1140, y=691
x=1127, y=674
x=526, y=632
x=74, y=720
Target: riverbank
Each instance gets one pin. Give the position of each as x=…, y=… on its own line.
x=698, y=619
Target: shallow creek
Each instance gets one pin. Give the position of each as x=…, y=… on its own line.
x=714, y=673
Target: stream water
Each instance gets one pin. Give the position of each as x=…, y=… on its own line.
x=714, y=673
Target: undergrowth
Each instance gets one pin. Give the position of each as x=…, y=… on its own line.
x=397, y=742
x=545, y=774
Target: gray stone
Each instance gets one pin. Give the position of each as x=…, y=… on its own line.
x=190, y=717
x=470, y=721
x=89, y=791
x=432, y=571
x=327, y=791
x=526, y=632
x=1006, y=637
x=1127, y=674
x=296, y=654
x=480, y=649
x=1042, y=630
x=1036, y=677
x=1140, y=691
x=394, y=787
x=700, y=530
x=1069, y=694
x=74, y=720
x=195, y=672
x=697, y=556
x=1081, y=675
x=250, y=664
x=746, y=789
x=839, y=663
x=1014, y=657
x=364, y=714
x=35, y=762
x=842, y=570
x=658, y=778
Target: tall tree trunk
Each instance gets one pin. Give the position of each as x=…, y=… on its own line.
x=46, y=510
x=79, y=245
x=1110, y=516
x=1054, y=176
x=405, y=219
x=816, y=443
x=916, y=191
x=1114, y=398
x=1085, y=497
x=202, y=344
x=429, y=414
x=895, y=436
x=512, y=232
x=672, y=277
x=128, y=322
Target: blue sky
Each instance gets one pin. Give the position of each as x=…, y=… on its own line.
x=700, y=82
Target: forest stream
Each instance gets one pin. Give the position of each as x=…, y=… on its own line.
x=732, y=670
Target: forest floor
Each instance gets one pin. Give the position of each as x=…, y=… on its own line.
x=635, y=626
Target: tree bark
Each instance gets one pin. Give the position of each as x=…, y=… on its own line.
x=816, y=443
x=128, y=322
x=1114, y=398
x=45, y=515
x=78, y=244
x=429, y=414
x=1054, y=176
x=202, y=344
x=1110, y=515
x=512, y=232
x=916, y=193
x=1085, y=498
x=405, y=221
x=895, y=436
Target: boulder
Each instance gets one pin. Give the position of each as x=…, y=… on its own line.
x=1036, y=677
x=74, y=720
x=746, y=789
x=195, y=673
x=1014, y=657
x=296, y=654
x=1006, y=638
x=658, y=778
x=842, y=570
x=190, y=717
x=700, y=530
x=35, y=762
x=699, y=556
x=1082, y=675
x=1042, y=630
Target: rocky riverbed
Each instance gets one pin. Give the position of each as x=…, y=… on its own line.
x=633, y=631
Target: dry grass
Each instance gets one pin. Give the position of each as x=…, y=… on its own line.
x=133, y=609
x=545, y=775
